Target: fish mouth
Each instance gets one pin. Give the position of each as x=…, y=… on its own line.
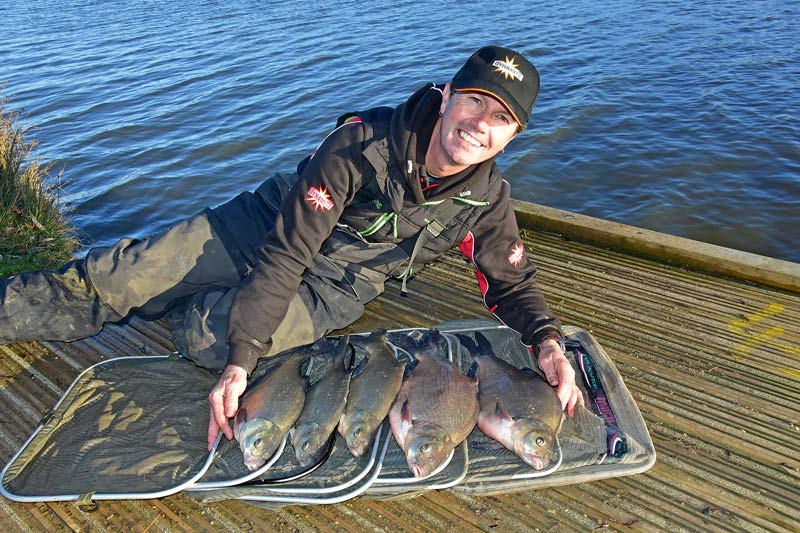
x=537, y=462
x=357, y=448
x=358, y=439
x=253, y=463
x=418, y=471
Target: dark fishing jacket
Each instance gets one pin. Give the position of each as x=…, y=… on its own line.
x=359, y=204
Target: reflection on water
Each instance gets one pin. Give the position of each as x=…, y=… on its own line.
x=676, y=117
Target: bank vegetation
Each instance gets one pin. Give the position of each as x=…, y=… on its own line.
x=35, y=229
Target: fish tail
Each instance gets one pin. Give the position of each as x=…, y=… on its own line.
x=467, y=343
x=484, y=346
x=433, y=337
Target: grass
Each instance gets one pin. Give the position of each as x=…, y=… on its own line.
x=35, y=230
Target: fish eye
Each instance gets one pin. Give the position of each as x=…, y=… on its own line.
x=304, y=446
x=258, y=442
x=356, y=433
x=539, y=441
x=425, y=448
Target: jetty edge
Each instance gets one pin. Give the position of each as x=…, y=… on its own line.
x=712, y=360
x=673, y=249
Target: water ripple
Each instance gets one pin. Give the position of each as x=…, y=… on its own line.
x=672, y=116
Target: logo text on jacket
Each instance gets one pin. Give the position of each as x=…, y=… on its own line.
x=319, y=198
x=516, y=255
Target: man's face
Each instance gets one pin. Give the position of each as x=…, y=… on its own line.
x=474, y=127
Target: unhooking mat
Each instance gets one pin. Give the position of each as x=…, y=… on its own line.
x=135, y=427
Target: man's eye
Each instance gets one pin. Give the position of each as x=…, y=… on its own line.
x=504, y=119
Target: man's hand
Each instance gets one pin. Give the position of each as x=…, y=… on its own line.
x=224, y=400
x=559, y=372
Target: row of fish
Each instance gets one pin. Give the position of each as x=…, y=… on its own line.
x=432, y=406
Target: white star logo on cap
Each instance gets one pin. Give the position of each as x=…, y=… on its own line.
x=508, y=68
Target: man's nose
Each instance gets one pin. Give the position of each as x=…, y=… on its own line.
x=482, y=121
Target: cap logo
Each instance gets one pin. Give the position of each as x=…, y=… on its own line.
x=507, y=68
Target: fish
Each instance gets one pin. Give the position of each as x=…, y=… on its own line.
x=324, y=405
x=373, y=388
x=518, y=408
x=269, y=408
x=435, y=410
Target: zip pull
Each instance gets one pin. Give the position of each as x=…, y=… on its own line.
x=410, y=167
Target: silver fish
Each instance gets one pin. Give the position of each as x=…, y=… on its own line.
x=323, y=408
x=435, y=410
x=268, y=409
x=518, y=408
x=373, y=388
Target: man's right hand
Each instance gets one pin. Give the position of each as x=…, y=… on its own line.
x=224, y=401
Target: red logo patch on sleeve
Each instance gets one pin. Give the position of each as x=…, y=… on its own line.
x=319, y=198
x=517, y=254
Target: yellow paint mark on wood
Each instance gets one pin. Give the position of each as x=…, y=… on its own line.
x=793, y=373
x=768, y=336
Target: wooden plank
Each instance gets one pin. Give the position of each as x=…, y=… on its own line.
x=713, y=363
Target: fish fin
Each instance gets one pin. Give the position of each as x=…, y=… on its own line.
x=343, y=346
x=306, y=367
x=405, y=415
x=405, y=341
x=467, y=343
x=484, y=345
x=342, y=352
x=350, y=359
x=360, y=367
x=489, y=445
x=433, y=337
x=410, y=366
x=473, y=370
x=501, y=412
x=403, y=348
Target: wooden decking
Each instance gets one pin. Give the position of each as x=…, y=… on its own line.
x=713, y=363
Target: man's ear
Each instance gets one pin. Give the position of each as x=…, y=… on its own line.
x=445, y=98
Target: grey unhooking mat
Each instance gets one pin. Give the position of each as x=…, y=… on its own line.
x=127, y=428
x=136, y=428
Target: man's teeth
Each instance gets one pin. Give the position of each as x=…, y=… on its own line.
x=470, y=139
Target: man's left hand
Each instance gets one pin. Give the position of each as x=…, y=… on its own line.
x=559, y=373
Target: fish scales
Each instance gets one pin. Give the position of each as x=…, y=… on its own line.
x=518, y=408
x=324, y=405
x=373, y=389
x=435, y=410
x=269, y=409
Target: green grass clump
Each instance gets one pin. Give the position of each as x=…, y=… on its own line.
x=35, y=231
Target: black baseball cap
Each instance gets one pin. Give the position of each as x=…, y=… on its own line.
x=504, y=74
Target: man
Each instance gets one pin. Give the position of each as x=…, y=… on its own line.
x=388, y=191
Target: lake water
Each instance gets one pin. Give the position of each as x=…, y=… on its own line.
x=683, y=117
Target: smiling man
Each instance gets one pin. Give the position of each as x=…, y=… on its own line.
x=388, y=191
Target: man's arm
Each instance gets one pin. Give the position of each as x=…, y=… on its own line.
x=308, y=215
x=507, y=280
